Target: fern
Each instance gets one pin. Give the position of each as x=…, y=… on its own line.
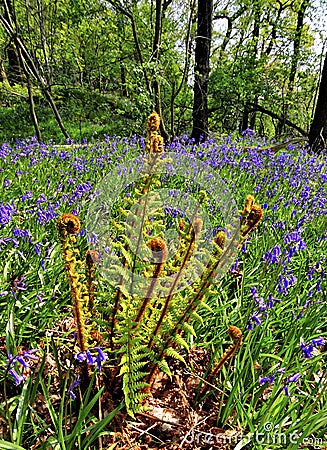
x=156, y=300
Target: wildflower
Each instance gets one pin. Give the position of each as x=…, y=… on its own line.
x=100, y=358
x=291, y=379
x=18, y=284
x=73, y=386
x=294, y=378
x=318, y=342
x=247, y=132
x=6, y=212
x=81, y=356
x=37, y=250
x=28, y=194
x=265, y=380
x=308, y=350
x=254, y=319
x=21, y=359
x=40, y=297
x=18, y=379
x=272, y=257
x=90, y=359
x=271, y=379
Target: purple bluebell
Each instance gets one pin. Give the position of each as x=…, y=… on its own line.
x=291, y=379
x=90, y=359
x=271, y=379
x=20, y=359
x=100, y=358
x=18, y=378
x=272, y=257
x=294, y=378
x=318, y=342
x=307, y=349
x=73, y=386
x=248, y=132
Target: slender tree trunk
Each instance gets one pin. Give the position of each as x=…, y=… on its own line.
x=294, y=62
x=3, y=74
x=176, y=90
x=318, y=128
x=155, y=55
x=202, y=70
x=15, y=71
x=230, y=23
x=252, y=60
x=297, y=44
x=26, y=61
x=32, y=109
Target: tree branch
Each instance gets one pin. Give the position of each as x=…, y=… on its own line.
x=291, y=124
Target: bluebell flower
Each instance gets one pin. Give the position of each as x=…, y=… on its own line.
x=307, y=349
x=255, y=318
x=268, y=380
x=37, y=250
x=87, y=356
x=28, y=194
x=29, y=354
x=248, y=132
x=19, y=284
x=21, y=359
x=100, y=358
x=73, y=386
x=271, y=379
x=81, y=356
x=294, y=378
x=291, y=379
x=272, y=257
x=318, y=342
x=18, y=379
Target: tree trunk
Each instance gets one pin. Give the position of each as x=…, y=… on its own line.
x=29, y=67
x=3, y=75
x=32, y=109
x=155, y=55
x=294, y=63
x=318, y=128
x=202, y=70
x=252, y=63
x=297, y=43
x=15, y=71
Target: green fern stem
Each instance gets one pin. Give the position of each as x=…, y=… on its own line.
x=236, y=335
x=192, y=306
x=194, y=233
x=91, y=257
x=159, y=249
x=68, y=225
x=115, y=309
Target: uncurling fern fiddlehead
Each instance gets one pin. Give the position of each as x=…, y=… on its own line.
x=157, y=295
